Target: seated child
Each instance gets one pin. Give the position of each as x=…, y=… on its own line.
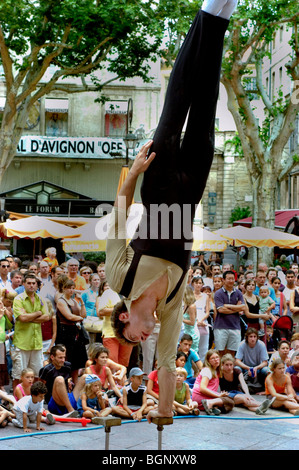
x=91, y=403
x=30, y=407
x=183, y=404
x=270, y=341
x=293, y=370
x=6, y=404
x=135, y=403
x=294, y=343
x=24, y=389
x=279, y=386
x=266, y=305
x=181, y=359
x=153, y=385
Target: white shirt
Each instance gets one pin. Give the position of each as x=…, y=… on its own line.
x=26, y=405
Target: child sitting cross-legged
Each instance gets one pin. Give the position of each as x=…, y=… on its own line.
x=183, y=404
x=91, y=404
x=135, y=403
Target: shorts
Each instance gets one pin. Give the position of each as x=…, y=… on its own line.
x=233, y=393
x=56, y=409
x=22, y=359
x=18, y=420
x=227, y=339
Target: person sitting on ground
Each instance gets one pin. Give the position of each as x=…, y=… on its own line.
x=91, y=403
x=181, y=359
x=100, y=368
x=192, y=359
x=252, y=359
x=152, y=388
x=232, y=381
x=6, y=405
x=23, y=389
x=118, y=370
x=279, y=386
x=206, y=388
x=294, y=343
x=183, y=403
x=293, y=371
x=56, y=375
x=135, y=403
x=270, y=343
x=283, y=352
x=31, y=407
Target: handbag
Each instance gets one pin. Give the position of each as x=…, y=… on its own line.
x=83, y=335
x=93, y=324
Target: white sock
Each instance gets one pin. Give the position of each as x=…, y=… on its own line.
x=213, y=7
x=222, y=8
x=228, y=9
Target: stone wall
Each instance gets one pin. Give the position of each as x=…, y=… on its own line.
x=228, y=187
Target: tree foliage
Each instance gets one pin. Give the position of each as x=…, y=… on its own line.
x=77, y=38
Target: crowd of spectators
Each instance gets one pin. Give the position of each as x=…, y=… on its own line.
x=55, y=328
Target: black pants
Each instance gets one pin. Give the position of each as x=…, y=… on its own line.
x=177, y=176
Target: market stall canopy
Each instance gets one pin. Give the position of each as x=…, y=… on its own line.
x=93, y=235
x=35, y=227
x=204, y=240
x=282, y=217
x=259, y=237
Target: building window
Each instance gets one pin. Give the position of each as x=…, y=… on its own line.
x=56, y=117
x=249, y=84
x=294, y=138
x=273, y=87
x=115, y=118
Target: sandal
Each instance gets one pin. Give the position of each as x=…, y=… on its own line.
x=206, y=408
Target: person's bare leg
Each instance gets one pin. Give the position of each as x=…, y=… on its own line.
x=167, y=381
x=79, y=386
x=60, y=395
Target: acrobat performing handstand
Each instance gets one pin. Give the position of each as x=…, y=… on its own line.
x=151, y=272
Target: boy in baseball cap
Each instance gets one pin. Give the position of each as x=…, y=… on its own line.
x=135, y=403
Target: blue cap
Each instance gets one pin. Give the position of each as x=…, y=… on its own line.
x=136, y=371
x=91, y=378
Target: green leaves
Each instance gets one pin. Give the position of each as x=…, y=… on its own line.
x=79, y=32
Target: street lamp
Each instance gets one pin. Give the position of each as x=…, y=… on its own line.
x=130, y=140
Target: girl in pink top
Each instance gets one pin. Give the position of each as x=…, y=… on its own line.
x=23, y=388
x=104, y=373
x=205, y=391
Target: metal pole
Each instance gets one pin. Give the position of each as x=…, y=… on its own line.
x=107, y=432
x=160, y=429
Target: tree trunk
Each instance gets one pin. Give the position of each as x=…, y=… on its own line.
x=265, y=208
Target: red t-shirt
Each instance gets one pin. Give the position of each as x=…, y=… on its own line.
x=154, y=377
